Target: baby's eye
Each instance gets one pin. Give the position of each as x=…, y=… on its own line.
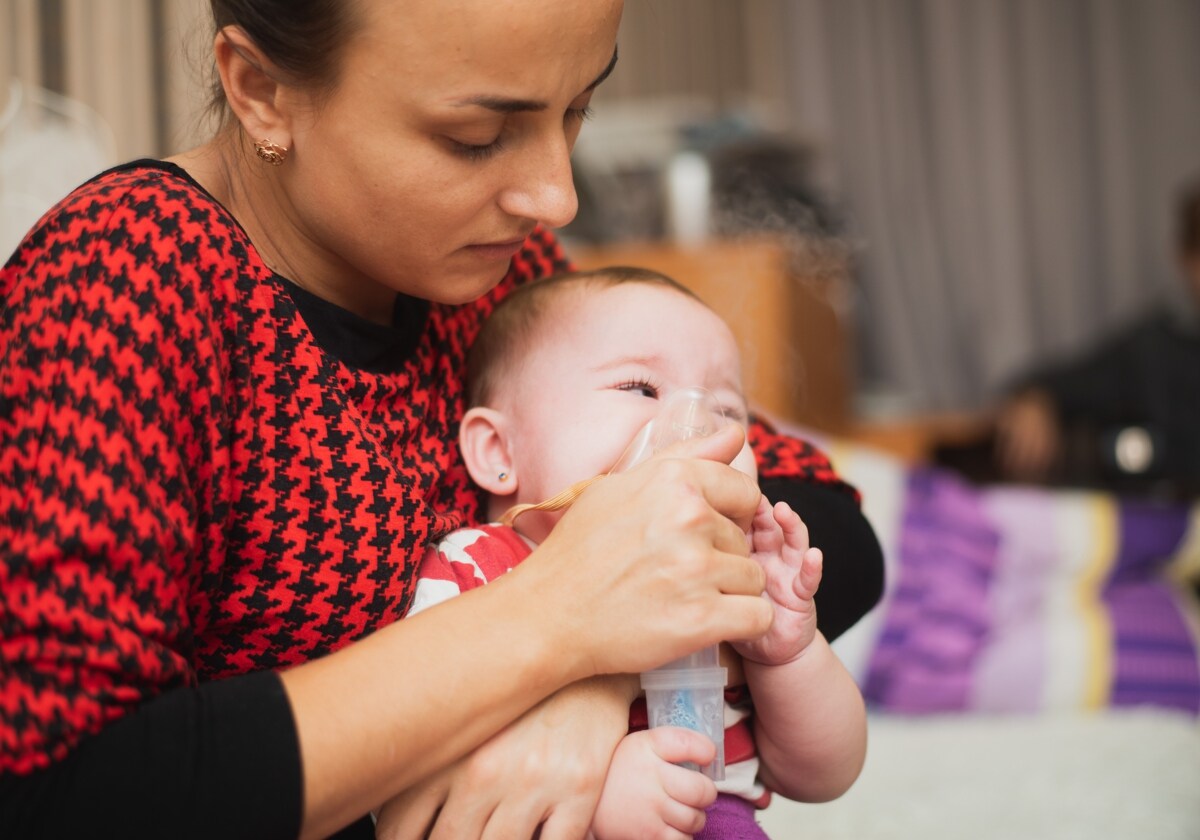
x=736, y=413
x=640, y=386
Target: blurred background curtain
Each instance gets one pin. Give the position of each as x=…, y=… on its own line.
x=86, y=84
x=136, y=63
x=1010, y=168
x=1005, y=167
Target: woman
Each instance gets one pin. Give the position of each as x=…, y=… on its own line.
x=230, y=384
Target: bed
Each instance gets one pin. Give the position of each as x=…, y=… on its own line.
x=1032, y=669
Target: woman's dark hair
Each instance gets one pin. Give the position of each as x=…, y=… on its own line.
x=303, y=38
x=1188, y=219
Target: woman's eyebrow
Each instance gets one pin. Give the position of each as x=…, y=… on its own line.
x=505, y=105
x=605, y=73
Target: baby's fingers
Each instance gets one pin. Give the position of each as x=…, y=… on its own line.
x=688, y=787
x=689, y=793
x=795, y=532
x=811, y=567
x=766, y=537
x=676, y=745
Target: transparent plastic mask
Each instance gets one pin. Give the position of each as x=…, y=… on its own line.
x=691, y=412
x=686, y=413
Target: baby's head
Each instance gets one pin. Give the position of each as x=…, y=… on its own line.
x=567, y=370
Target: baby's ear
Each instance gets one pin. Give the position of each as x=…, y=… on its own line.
x=483, y=439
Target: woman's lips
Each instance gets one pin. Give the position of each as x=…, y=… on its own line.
x=496, y=250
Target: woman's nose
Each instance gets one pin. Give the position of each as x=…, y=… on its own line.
x=543, y=189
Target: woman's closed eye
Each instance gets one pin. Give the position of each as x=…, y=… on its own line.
x=578, y=115
x=475, y=151
x=572, y=120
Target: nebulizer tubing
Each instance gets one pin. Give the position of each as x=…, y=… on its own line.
x=690, y=691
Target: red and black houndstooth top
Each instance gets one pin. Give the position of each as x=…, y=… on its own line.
x=190, y=486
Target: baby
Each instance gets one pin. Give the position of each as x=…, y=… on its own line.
x=563, y=376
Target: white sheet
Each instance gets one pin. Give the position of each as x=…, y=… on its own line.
x=1118, y=775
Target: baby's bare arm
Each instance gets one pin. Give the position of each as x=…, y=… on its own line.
x=810, y=721
x=810, y=724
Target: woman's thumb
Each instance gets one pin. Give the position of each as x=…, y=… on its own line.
x=722, y=445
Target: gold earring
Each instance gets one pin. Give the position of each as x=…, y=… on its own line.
x=503, y=476
x=272, y=153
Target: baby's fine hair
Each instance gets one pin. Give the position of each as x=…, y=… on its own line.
x=517, y=321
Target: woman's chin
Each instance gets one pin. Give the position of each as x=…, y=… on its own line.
x=468, y=286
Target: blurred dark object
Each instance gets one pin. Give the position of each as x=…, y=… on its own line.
x=759, y=183
x=764, y=184
x=621, y=205
x=1129, y=461
x=1125, y=413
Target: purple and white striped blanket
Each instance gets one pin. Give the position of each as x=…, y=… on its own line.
x=1018, y=599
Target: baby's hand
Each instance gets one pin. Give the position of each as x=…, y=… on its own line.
x=779, y=542
x=647, y=795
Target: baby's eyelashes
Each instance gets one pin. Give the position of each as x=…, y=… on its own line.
x=640, y=386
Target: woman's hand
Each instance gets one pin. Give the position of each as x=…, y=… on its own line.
x=652, y=564
x=547, y=769
x=648, y=795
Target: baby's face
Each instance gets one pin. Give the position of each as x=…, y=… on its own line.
x=600, y=373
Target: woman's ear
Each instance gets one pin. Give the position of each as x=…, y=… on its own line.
x=483, y=439
x=252, y=87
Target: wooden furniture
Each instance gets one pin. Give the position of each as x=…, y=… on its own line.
x=913, y=439
x=796, y=348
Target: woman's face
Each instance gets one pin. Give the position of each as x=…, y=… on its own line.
x=445, y=141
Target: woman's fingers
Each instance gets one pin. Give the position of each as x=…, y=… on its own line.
x=561, y=826
x=661, y=552
x=508, y=821
x=461, y=818
x=722, y=445
x=728, y=491
x=409, y=815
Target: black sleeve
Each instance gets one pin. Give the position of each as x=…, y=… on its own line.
x=218, y=761
x=852, y=581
